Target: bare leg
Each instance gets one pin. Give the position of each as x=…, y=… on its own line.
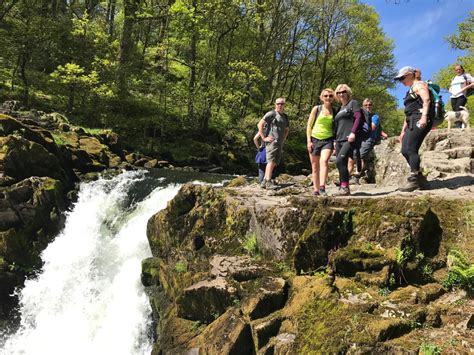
x=324, y=165
x=269, y=170
x=315, y=171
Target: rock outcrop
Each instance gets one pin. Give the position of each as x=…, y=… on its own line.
x=42, y=156
x=244, y=270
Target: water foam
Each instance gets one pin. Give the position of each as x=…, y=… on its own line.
x=88, y=298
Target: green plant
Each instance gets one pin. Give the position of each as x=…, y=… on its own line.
x=251, y=245
x=181, y=266
x=460, y=272
x=384, y=291
x=429, y=349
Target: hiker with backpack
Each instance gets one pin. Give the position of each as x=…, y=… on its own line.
x=461, y=87
x=278, y=128
x=351, y=128
x=419, y=112
x=367, y=146
x=320, y=141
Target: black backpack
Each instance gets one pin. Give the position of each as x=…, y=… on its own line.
x=470, y=91
x=365, y=127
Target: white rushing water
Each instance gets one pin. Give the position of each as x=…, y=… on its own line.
x=88, y=298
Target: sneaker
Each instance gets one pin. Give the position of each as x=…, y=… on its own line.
x=316, y=193
x=322, y=192
x=413, y=183
x=343, y=191
x=263, y=184
x=269, y=185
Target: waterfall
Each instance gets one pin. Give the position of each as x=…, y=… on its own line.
x=88, y=298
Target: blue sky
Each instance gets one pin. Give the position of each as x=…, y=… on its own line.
x=418, y=28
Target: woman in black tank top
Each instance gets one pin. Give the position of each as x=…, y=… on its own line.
x=416, y=126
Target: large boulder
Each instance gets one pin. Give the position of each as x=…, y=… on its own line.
x=353, y=252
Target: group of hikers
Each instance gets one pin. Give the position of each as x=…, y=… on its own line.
x=353, y=131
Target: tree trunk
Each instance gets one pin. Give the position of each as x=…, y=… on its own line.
x=192, y=66
x=126, y=47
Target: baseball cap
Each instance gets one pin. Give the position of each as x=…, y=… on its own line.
x=404, y=71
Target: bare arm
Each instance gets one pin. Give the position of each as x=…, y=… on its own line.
x=309, y=127
x=256, y=140
x=261, y=133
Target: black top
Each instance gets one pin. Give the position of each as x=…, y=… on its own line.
x=412, y=102
x=344, y=120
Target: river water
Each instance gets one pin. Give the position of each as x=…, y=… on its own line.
x=88, y=298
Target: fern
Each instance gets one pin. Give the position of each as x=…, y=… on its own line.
x=460, y=272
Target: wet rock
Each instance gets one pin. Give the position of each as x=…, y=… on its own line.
x=151, y=164
x=150, y=271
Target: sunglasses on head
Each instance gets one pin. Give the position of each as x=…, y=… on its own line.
x=341, y=92
x=330, y=95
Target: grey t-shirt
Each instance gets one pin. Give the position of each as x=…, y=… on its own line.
x=277, y=125
x=344, y=120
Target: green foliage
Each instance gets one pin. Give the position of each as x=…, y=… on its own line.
x=181, y=266
x=460, y=272
x=429, y=349
x=148, y=69
x=251, y=246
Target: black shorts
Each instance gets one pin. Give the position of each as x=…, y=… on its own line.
x=320, y=144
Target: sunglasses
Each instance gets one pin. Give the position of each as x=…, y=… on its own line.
x=341, y=92
x=368, y=105
x=328, y=96
x=280, y=103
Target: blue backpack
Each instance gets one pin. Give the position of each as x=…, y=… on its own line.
x=436, y=111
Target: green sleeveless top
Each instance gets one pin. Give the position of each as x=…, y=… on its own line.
x=322, y=128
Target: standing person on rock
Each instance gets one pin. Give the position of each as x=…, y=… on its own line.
x=367, y=146
x=459, y=87
x=320, y=141
x=347, y=124
x=278, y=132
x=416, y=126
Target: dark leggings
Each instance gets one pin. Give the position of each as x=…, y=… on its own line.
x=458, y=101
x=344, y=150
x=412, y=140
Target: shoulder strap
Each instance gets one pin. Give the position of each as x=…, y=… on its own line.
x=318, y=110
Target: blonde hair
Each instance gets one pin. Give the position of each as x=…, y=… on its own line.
x=329, y=90
x=344, y=87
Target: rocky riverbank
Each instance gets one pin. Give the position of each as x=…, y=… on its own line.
x=244, y=270
x=241, y=270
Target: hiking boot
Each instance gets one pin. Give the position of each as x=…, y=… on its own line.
x=323, y=193
x=354, y=180
x=269, y=185
x=263, y=184
x=423, y=181
x=343, y=191
x=413, y=183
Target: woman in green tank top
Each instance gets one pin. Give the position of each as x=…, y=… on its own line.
x=320, y=141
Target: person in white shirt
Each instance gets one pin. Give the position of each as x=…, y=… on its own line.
x=459, y=86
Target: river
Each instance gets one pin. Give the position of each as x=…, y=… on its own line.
x=88, y=298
